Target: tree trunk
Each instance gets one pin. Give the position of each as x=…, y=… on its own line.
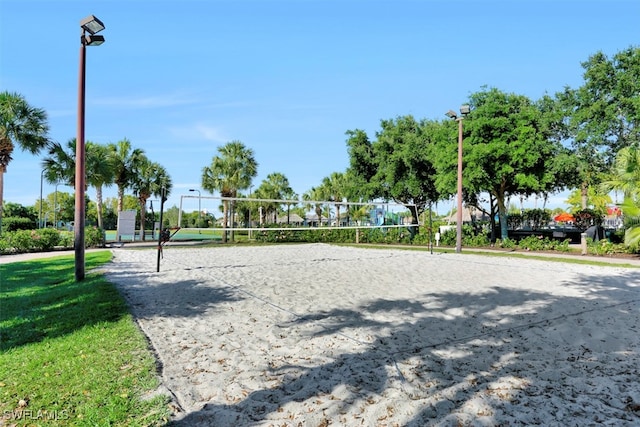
x=232, y=214
x=2, y=169
x=143, y=217
x=492, y=218
x=225, y=218
x=583, y=193
x=120, y=198
x=99, y=205
x=502, y=215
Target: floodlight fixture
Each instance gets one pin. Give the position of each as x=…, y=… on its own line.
x=91, y=24
x=451, y=114
x=93, y=40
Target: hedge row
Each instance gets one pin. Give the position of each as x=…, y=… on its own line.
x=46, y=239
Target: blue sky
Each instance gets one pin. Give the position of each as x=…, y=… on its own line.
x=288, y=78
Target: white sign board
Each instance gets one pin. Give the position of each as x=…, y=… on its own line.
x=126, y=225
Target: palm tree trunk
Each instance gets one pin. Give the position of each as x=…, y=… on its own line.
x=99, y=205
x=2, y=169
x=120, y=199
x=143, y=217
x=225, y=218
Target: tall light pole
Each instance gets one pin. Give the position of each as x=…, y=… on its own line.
x=199, y=206
x=250, y=195
x=464, y=110
x=55, y=207
x=89, y=26
x=40, y=214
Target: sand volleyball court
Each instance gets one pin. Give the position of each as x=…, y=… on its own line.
x=319, y=335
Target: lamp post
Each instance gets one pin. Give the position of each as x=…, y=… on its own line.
x=250, y=195
x=199, y=208
x=40, y=214
x=89, y=26
x=464, y=110
x=55, y=207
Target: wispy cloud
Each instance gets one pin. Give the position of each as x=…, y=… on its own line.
x=199, y=132
x=146, y=102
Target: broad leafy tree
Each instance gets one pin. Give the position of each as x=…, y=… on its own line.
x=398, y=165
x=604, y=112
x=124, y=160
x=149, y=178
x=509, y=149
x=21, y=125
x=231, y=170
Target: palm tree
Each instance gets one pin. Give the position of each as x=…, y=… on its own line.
x=60, y=164
x=275, y=186
x=99, y=172
x=334, y=186
x=21, y=125
x=60, y=167
x=625, y=176
x=148, y=180
x=231, y=170
x=313, y=197
x=625, y=173
x=124, y=161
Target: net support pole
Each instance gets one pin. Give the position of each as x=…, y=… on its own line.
x=163, y=197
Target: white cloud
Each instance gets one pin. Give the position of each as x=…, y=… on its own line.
x=143, y=102
x=199, y=131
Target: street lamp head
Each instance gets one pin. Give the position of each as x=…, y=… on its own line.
x=92, y=40
x=465, y=109
x=451, y=114
x=91, y=24
x=192, y=189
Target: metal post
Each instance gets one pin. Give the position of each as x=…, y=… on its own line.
x=90, y=25
x=55, y=207
x=459, y=212
x=430, y=228
x=179, y=214
x=163, y=197
x=40, y=214
x=79, y=213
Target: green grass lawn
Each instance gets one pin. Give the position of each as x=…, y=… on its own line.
x=70, y=352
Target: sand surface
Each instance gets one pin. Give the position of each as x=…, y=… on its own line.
x=318, y=335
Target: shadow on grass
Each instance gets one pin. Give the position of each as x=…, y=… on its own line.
x=40, y=299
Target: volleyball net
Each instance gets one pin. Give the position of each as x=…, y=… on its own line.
x=202, y=216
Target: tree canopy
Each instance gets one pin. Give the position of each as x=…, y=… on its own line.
x=398, y=165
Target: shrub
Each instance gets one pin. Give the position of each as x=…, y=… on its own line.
x=20, y=240
x=66, y=239
x=94, y=237
x=585, y=218
x=533, y=243
x=47, y=239
x=506, y=243
x=604, y=247
x=12, y=223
